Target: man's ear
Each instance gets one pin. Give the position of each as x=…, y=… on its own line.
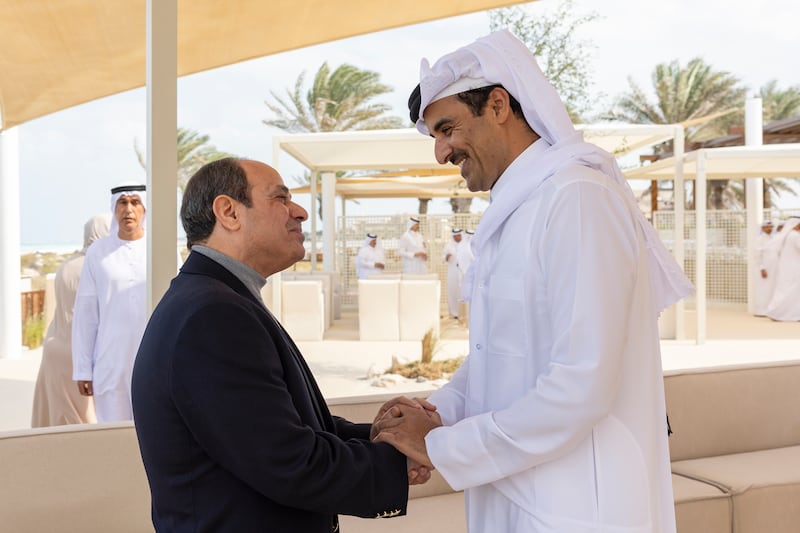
x=226, y=209
x=499, y=104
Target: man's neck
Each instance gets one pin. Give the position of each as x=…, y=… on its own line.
x=130, y=235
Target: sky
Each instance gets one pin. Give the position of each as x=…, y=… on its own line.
x=69, y=160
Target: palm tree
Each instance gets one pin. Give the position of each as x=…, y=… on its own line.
x=193, y=152
x=683, y=94
x=778, y=104
x=337, y=101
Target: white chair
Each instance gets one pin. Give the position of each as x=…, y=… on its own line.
x=378, y=305
x=303, y=309
x=419, y=308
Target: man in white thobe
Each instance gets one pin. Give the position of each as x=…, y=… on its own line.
x=556, y=420
x=464, y=255
x=450, y=256
x=785, y=303
x=766, y=261
x=371, y=258
x=110, y=308
x=412, y=249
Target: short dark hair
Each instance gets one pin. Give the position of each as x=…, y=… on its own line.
x=475, y=99
x=223, y=176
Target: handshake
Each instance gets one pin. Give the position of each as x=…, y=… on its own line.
x=403, y=423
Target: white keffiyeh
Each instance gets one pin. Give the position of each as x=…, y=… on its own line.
x=500, y=58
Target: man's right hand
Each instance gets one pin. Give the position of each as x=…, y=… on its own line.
x=85, y=388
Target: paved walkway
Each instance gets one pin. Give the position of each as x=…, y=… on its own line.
x=341, y=364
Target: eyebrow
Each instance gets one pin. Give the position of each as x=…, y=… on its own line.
x=440, y=123
x=280, y=189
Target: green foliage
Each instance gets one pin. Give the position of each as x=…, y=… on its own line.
x=552, y=37
x=194, y=151
x=683, y=94
x=33, y=331
x=779, y=104
x=341, y=100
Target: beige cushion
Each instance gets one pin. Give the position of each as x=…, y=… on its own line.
x=81, y=479
x=378, y=305
x=733, y=410
x=303, y=309
x=419, y=308
x=764, y=485
x=700, y=507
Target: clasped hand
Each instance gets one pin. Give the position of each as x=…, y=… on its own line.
x=403, y=423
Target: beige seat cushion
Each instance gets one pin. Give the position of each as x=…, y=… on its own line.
x=701, y=507
x=764, y=486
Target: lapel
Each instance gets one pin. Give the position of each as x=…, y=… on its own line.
x=200, y=264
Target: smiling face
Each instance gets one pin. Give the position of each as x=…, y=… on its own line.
x=129, y=212
x=272, y=225
x=473, y=143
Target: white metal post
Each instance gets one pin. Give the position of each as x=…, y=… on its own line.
x=700, y=246
x=328, y=221
x=10, y=310
x=313, y=216
x=679, y=246
x=754, y=196
x=162, y=163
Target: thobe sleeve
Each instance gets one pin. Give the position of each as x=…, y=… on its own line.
x=85, y=321
x=450, y=399
x=589, y=258
x=404, y=247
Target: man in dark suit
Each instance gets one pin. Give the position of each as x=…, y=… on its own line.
x=234, y=432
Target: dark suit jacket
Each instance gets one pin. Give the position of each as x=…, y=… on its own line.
x=234, y=432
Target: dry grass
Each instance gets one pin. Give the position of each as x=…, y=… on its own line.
x=430, y=370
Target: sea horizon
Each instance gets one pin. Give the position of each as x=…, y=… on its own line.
x=58, y=248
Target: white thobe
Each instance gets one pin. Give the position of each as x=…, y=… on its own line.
x=410, y=243
x=766, y=260
x=366, y=259
x=109, y=321
x=785, y=303
x=453, y=276
x=464, y=256
x=556, y=420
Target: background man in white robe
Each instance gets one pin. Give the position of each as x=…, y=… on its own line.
x=412, y=249
x=450, y=256
x=371, y=258
x=56, y=401
x=556, y=420
x=785, y=303
x=767, y=260
x=110, y=308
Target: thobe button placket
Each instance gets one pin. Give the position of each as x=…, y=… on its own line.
x=478, y=346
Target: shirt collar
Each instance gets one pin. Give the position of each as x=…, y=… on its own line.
x=249, y=277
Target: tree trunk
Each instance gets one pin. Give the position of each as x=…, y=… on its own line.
x=423, y=205
x=460, y=204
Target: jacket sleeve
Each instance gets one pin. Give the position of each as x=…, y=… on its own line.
x=232, y=391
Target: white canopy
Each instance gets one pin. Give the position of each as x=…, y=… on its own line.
x=407, y=149
x=731, y=162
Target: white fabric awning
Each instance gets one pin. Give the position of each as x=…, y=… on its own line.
x=732, y=162
x=407, y=149
x=56, y=54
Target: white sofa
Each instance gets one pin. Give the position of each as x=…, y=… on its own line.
x=378, y=310
x=303, y=309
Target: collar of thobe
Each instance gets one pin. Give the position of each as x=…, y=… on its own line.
x=500, y=58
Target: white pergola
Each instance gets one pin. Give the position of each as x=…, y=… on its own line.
x=734, y=162
x=406, y=165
